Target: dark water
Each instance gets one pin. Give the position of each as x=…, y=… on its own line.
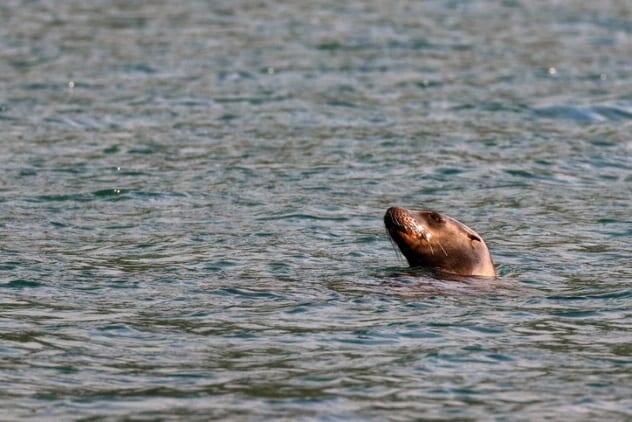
x=191, y=201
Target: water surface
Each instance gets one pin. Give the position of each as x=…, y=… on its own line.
x=191, y=203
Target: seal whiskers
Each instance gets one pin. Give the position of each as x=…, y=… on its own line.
x=430, y=244
x=393, y=245
x=441, y=246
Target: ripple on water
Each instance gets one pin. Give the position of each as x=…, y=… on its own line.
x=587, y=115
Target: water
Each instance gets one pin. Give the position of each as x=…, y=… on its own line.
x=191, y=203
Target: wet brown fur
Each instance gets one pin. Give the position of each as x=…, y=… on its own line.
x=434, y=240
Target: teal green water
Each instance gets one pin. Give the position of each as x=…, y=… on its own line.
x=191, y=202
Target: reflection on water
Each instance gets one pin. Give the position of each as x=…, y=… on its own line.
x=191, y=204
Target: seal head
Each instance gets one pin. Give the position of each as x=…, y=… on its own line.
x=434, y=240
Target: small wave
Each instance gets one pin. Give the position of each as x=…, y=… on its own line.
x=21, y=284
x=302, y=216
x=586, y=115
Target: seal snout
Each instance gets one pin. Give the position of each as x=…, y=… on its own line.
x=398, y=218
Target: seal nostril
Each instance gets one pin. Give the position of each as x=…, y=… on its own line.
x=390, y=218
x=392, y=212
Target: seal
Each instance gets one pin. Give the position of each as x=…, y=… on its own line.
x=434, y=240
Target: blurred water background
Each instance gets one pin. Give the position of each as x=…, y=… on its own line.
x=191, y=202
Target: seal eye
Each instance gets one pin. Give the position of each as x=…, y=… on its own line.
x=436, y=217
